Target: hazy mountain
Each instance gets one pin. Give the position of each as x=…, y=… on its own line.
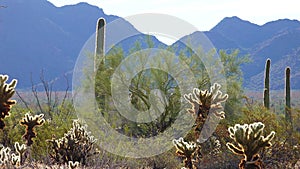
x=278, y=40
x=36, y=35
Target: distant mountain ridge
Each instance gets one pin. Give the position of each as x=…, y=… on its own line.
x=36, y=35
x=278, y=40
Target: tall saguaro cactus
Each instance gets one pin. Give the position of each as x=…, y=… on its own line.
x=99, y=60
x=100, y=36
x=267, y=85
x=288, y=114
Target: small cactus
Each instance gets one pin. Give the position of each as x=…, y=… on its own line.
x=205, y=102
x=250, y=140
x=73, y=165
x=186, y=150
x=267, y=85
x=20, y=149
x=15, y=160
x=30, y=122
x=6, y=92
x=5, y=155
x=77, y=145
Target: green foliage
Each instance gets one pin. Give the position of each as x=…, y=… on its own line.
x=6, y=92
x=76, y=145
x=249, y=140
x=232, y=62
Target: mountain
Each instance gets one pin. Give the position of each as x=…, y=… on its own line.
x=37, y=36
x=278, y=40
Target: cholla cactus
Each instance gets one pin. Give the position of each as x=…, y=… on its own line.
x=205, y=102
x=15, y=160
x=250, y=141
x=73, y=165
x=8, y=158
x=6, y=92
x=76, y=145
x=20, y=149
x=5, y=155
x=186, y=150
x=30, y=122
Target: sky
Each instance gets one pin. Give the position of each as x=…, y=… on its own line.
x=203, y=14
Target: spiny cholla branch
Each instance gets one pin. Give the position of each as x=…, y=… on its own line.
x=6, y=92
x=186, y=150
x=77, y=145
x=205, y=102
x=30, y=122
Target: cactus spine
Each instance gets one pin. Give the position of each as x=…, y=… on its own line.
x=288, y=115
x=267, y=85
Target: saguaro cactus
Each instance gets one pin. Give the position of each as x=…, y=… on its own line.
x=30, y=122
x=6, y=92
x=100, y=40
x=249, y=140
x=99, y=60
x=288, y=113
x=267, y=85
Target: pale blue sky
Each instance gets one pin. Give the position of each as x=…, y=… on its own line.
x=203, y=14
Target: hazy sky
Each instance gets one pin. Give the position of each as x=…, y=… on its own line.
x=204, y=14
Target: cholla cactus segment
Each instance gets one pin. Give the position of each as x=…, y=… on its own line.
x=73, y=165
x=77, y=145
x=5, y=155
x=6, y=92
x=30, y=122
x=206, y=101
x=15, y=160
x=250, y=140
x=186, y=150
x=20, y=149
